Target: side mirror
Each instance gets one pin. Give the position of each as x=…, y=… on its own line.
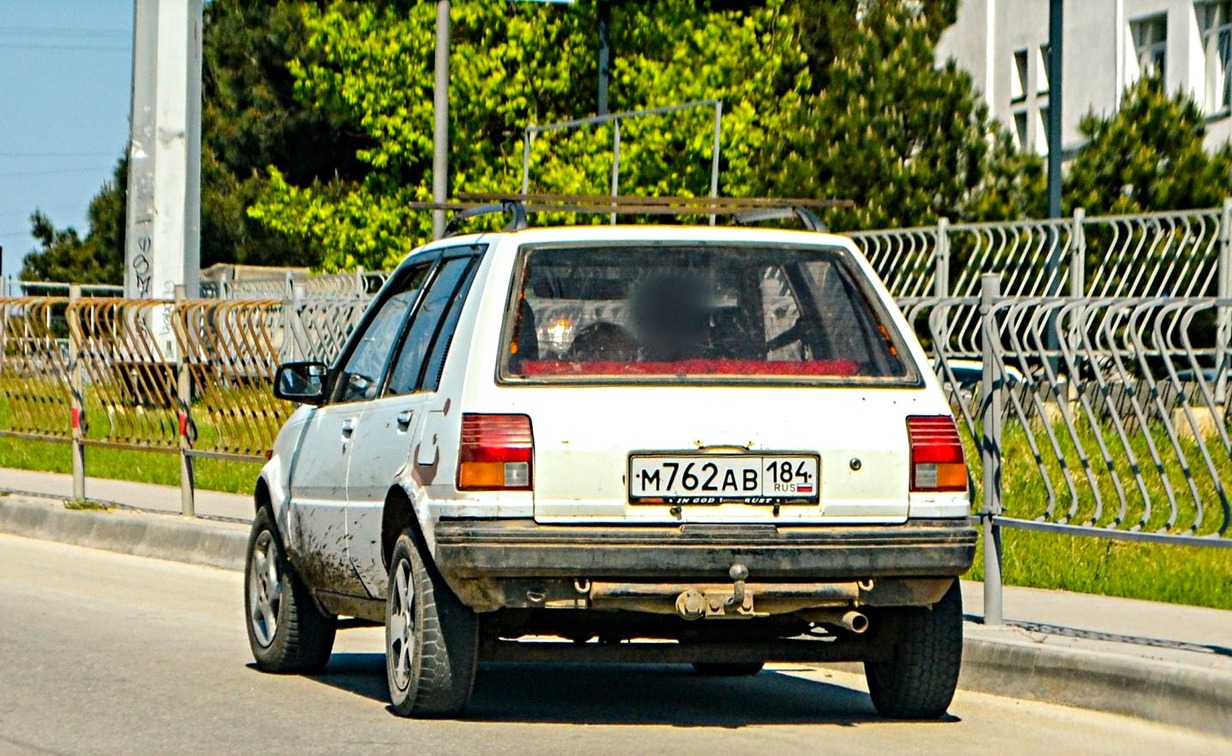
x=302, y=382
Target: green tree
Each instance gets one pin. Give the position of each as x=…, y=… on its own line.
x=516, y=64
x=252, y=120
x=511, y=64
x=908, y=141
x=1148, y=156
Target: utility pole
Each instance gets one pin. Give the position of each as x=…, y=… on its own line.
x=605, y=52
x=440, y=119
x=162, y=247
x=1056, y=29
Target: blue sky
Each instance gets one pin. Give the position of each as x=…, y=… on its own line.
x=65, y=68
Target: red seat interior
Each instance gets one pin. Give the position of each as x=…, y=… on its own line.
x=839, y=368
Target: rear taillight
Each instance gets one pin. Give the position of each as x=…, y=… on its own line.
x=936, y=454
x=496, y=453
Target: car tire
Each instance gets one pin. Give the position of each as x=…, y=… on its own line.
x=919, y=680
x=286, y=631
x=431, y=638
x=728, y=669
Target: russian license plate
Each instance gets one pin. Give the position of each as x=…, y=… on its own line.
x=724, y=478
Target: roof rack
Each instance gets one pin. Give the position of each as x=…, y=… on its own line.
x=742, y=210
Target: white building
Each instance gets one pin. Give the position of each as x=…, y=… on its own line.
x=1107, y=46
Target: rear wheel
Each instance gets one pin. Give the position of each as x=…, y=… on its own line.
x=431, y=638
x=286, y=631
x=728, y=669
x=919, y=679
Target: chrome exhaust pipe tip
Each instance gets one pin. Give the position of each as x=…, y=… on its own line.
x=855, y=622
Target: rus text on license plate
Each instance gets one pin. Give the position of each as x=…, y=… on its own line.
x=722, y=479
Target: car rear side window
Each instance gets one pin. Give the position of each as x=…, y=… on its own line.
x=697, y=312
x=431, y=329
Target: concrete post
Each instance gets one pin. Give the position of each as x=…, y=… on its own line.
x=163, y=240
x=77, y=399
x=990, y=447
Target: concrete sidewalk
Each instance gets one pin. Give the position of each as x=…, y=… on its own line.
x=141, y=496
x=1161, y=662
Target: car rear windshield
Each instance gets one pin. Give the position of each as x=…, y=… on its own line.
x=697, y=313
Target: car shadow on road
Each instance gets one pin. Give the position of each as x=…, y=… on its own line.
x=639, y=694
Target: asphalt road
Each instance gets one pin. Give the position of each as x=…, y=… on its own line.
x=104, y=653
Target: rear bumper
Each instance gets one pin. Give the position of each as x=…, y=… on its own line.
x=496, y=558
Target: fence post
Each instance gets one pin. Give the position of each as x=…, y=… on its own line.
x=77, y=399
x=990, y=447
x=615, y=163
x=293, y=326
x=941, y=262
x=1222, y=317
x=1078, y=255
x=183, y=379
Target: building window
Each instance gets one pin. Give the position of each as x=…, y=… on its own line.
x=1043, y=140
x=1020, y=129
x=1215, y=21
x=1019, y=86
x=1151, y=44
x=1045, y=69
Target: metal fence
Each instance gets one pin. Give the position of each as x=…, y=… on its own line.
x=1154, y=254
x=1103, y=416
x=92, y=371
x=359, y=284
x=12, y=287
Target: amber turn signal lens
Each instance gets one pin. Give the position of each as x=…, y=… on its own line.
x=496, y=453
x=937, y=462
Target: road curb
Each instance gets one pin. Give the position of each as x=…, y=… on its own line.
x=159, y=536
x=1165, y=692
x=996, y=661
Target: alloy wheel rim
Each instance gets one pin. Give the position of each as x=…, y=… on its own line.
x=264, y=589
x=401, y=627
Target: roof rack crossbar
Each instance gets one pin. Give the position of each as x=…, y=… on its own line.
x=466, y=211
x=617, y=201
x=804, y=214
x=742, y=210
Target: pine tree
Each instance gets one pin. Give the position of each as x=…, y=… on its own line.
x=1148, y=156
x=908, y=141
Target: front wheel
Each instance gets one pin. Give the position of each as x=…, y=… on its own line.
x=431, y=639
x=286, y=631
x=919, y=679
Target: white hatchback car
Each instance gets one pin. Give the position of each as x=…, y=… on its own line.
x=713, y=446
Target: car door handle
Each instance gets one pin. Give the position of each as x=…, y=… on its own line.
x=348, y=426
x=404, y=419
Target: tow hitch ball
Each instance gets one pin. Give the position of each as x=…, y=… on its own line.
x=693, y=604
